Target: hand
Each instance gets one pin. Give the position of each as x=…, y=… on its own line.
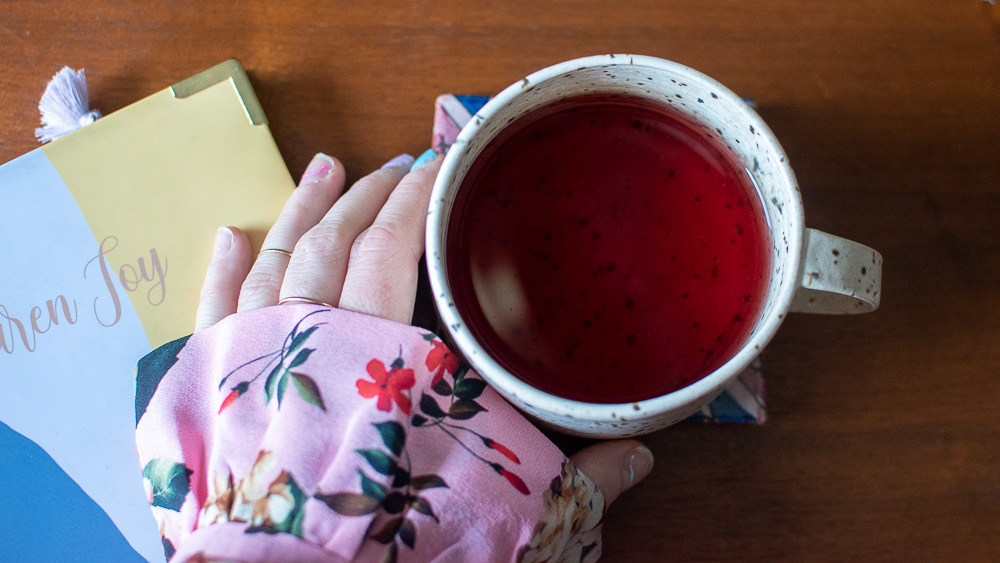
x=359, y=250
x=356, y=249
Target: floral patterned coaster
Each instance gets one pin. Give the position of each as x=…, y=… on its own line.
x=741, y=401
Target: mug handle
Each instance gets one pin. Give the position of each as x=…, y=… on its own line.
x=838, y=276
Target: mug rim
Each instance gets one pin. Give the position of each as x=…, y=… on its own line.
x=509, y=385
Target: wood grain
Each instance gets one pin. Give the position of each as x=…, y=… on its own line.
x=883, y=442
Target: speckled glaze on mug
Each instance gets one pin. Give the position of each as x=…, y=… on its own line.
x=811, y=271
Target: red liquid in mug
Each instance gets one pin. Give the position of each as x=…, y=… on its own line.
x=607, y=250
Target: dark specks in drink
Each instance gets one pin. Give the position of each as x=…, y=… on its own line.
x=650, y=258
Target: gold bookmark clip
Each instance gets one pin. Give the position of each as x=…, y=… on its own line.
x=229, y=70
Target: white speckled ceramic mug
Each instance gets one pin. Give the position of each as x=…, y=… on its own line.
x=811, y=271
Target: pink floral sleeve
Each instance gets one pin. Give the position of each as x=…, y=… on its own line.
x=302, y=433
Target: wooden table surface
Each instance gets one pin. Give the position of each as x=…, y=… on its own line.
x=883, y=437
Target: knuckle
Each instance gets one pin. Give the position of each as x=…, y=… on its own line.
x=380, y=242
x=297, y=211
x=260, y=283
x=210, y=294
x=374, y=180
x=386, y=292
x=329, y=237
x=419, y=183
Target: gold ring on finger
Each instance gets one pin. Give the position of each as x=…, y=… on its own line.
x=299, y=299
x=277, y=250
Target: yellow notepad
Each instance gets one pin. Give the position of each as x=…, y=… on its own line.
x=157, y=178
x=104, y=243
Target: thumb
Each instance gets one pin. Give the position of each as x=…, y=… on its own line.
x=614, y=466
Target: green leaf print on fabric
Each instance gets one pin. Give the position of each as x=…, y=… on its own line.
x=461, y=405
x=278, y=366
x=169, y=483
x=150, y=371
x=404, y=496
x=393, y=436
x=350, y=504
x=379, y=461
x=371, y=488
x=308, y=389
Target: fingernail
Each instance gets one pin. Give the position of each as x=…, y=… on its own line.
x=640, y=463
x=401, y=160
x=223, y=242
x=320, y=167
x=422, y=160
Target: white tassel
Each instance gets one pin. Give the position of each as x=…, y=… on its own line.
x=65, y=105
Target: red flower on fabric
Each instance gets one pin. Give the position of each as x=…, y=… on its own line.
x=388, y=386
x=442, y=360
